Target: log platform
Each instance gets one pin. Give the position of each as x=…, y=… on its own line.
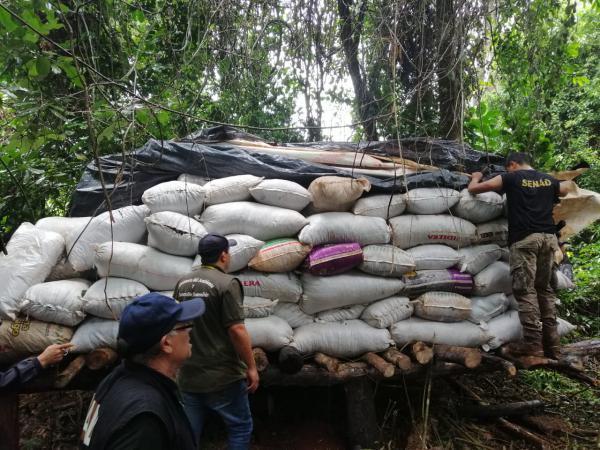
x=357, y=377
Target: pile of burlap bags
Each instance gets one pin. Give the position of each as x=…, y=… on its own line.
x=329, y=269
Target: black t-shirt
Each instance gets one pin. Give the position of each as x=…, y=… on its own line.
x=530, y=198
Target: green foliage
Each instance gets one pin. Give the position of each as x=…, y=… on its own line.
x=553, y=383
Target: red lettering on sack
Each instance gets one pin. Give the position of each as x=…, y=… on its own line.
x=251, y=283
x=444, y=237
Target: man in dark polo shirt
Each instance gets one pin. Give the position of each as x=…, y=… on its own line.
x=530, y=197
x=222, y=370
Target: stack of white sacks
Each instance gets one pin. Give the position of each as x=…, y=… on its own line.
x=328, y=268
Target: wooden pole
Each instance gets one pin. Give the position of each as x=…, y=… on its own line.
x=383, y=367
x=9, y=421
x=398, y=358
x=101, y=358
x=260, y=357
x=74, y=367
x=421, y=352
x=468, y=357
x=328, y=362
x=508, y=367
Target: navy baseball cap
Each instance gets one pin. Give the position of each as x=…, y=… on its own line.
x=149, y=317
x=211, y=245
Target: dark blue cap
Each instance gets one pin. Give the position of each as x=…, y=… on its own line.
x=149, y=317
x=212, y=245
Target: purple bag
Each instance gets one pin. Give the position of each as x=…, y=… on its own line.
x=333, y=259
x=446, y=280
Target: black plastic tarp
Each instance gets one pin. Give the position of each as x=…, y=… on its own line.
x=208, y=154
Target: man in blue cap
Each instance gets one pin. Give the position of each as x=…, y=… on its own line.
x=222, y=370
x=138, y=405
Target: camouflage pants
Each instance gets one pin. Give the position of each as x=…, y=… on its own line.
x=532, y=265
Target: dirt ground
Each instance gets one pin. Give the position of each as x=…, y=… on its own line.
x=415, y=415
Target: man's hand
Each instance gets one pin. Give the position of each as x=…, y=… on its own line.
x=253, y=380
x=53, y=354
x=476, y=177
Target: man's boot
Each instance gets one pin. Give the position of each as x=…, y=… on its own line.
x=551, y=342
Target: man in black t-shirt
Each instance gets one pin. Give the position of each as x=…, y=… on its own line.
x=530, y=197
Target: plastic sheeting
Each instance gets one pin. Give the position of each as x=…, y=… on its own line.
x=207, y=155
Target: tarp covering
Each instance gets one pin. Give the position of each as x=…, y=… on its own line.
x=209, y=154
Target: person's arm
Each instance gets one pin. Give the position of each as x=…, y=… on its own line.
x=476, y=186
x=144, y=432
x=29, y=368
x=233, y=320
x=243, y=346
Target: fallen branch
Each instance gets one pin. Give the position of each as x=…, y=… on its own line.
x=468, y=357
x=503, y=410
x=589, y=347
x=70, y=372
x=100, y=358
x=328, y=362
x=398, y=358
x=260, y=358
x=383, y=367
x=420, y=352
x=508, y=366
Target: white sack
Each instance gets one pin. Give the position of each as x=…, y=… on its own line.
x=269, y=333
x=339, y=227
x=483, y=309
x=194, y=179
x=384, y=206
x=56, y=301
x=241, y=253
x=444, y=280
x=341, y=339
x=474, y=259
x=340, y=314
x=463, y=334
x=564, y=327
x=62, y=225
x=230, y=189
x=504, y=254
x=410, y=231
x=332, y=193
x=23, y=337
x=258, y=307
x=513, y=304
x=32, y=253
x=284, y=287
x=442, y=307
x=494, y=279
x=350, y=288
x=431, y=200
x=259, y=221
x=282, y=193
x=504, y=329
x=494, y=232
x=95, y=333
x=562, y=281
x=388, y=311
x=108, y=297
x=158, y=271
x=292, y=314
x=433, y=256
x=128, y=226
x=174, y=233
x=479, y=208
x=386, y=261
x=176, y=196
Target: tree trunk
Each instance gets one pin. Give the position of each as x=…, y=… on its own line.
x=350, y=31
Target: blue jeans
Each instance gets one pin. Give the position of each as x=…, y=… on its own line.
x=231, y=403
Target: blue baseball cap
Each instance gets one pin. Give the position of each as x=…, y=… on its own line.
x=149, y=317
x=212, y=245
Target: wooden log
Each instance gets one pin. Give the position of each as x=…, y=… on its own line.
x=101, y=358
x=260, y=358
x=70, y=372
x=360, y=413
x=468, y=357
x=9, y=421
x=398, y=358
x=506, y=365
x=503, y=410
x=508, y=426
x=328, y=362
x=383, y=367
x=421, y=352
x=538, y=362
x=290, y=360
x=589, y=347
